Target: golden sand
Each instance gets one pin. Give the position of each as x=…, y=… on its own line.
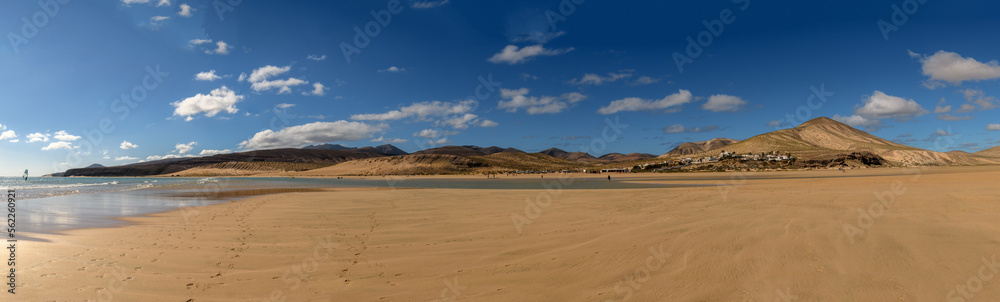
x=800, y=237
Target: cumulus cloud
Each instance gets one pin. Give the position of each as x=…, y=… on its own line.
x=421, y=111
x=127, y=145
x=636, y=104
x=518, y=99
x=38, y=137
x=194, y=42
x=157, y=21
x=975, y=96
x=427, y=4
x=63, y=136
x=393, y=69
x=318, y=90
x=993, y=127
x=210, y=152
x=316, y=57
x=312, y=133
x=221, y=48
x=125, y=158
x=207, y=76
x=511, y=54
x=488, y=124
x=880, y=105
x=221, y=99
x=185, y=11
x=678, y=128
x=949, y=67
x=858, y=121
x=60, y=145
x=596, y=79
x=382, y=139
x=645, y=80
x=184, y=148
x=9, y=134
x=260, y=79
x=721, y=102
x=427, y=133
x=163, y=3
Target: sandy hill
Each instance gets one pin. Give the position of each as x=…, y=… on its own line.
x=991, y=152
x=573, y=156
x=419, y=164
x=699, y=147
x=823, y=138
x=467, y=150
x=618, y=157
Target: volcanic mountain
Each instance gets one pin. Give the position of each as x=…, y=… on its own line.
x=698, y=147
x=822, y=138
x=573, y=156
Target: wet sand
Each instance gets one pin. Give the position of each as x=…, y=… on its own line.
x=772, y=236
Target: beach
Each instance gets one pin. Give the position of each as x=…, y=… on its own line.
x=900, y=234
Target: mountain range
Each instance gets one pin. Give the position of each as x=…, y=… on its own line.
x=818, y=142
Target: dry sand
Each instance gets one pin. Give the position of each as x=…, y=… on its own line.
x=748, y=240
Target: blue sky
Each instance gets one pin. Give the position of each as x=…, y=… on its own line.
x=116, y=82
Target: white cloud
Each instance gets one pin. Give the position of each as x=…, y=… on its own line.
x=645, y=80
x=488, y=124
x=316, y=57
x=721, y=102
x=858, y=121
x=428, y=4
x=157, y=21
x=222, y=48
x=38, y=137
x=207, y=76
x=427, y=133
x=993, y=127
x=126, y=158
x=199, y=42
x=184, y=148
x=130, y=2
x=519, y=99
x=168, y=156
x=678, y=128
x=285, y=105
x=210, y=152
x=595, y=79
x=965, y=108
x=942, y=109
x=636, y=104
x=512, y=55
x=312, y=133
x=950, y=67
x=63, y=136
x=221, y=99
x=259, y=79
x=880, y=105
x=127, y=145
x=60, y=145
x=185, y=11
x=318, y=90
x=9, y=134
x=163, y=3
x=382, y=139
x=459, y=122
x=15, y=140
x=977, y=97
x=422, y=111
x=393, y=69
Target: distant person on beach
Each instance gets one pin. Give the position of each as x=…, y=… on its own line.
x=609, y=177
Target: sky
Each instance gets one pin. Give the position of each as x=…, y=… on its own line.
x=121, y=81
